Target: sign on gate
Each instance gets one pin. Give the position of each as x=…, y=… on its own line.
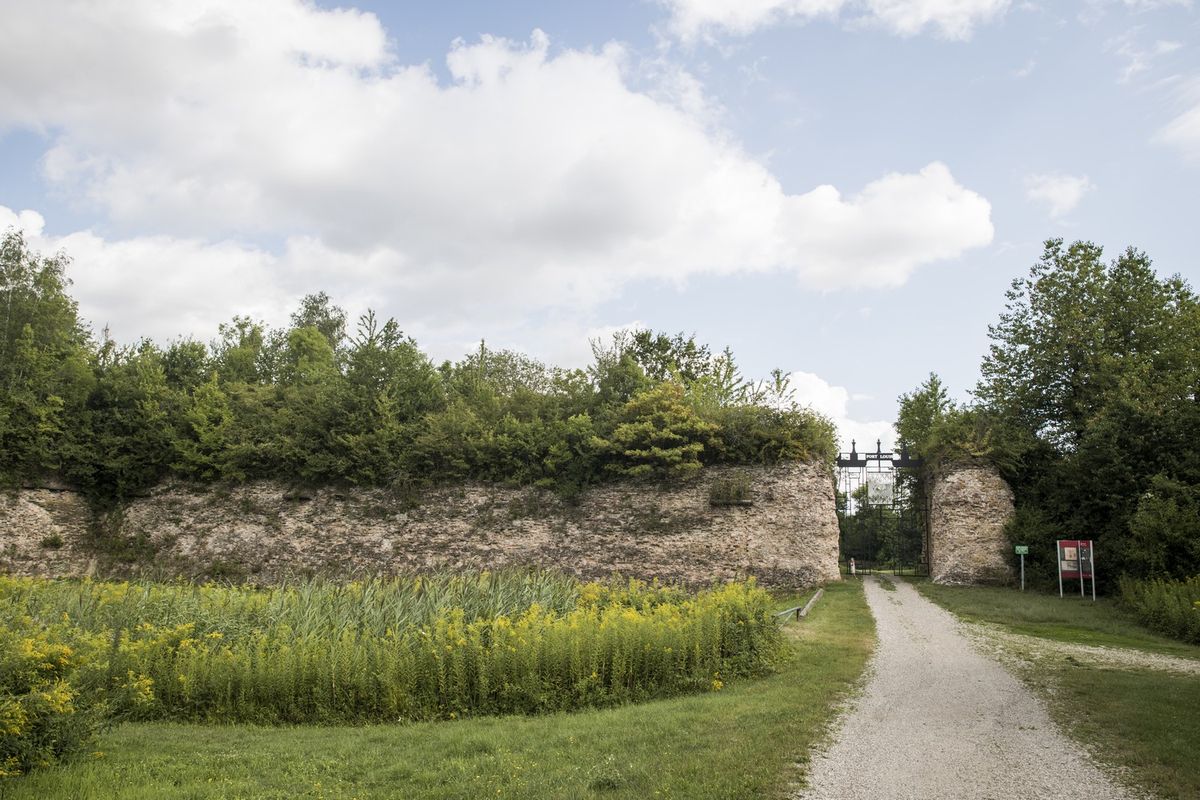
x=1076, y=559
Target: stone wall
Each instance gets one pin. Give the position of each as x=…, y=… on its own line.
x=787, y=536
x=970, y=503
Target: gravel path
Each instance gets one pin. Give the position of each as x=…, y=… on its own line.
x=939, y=720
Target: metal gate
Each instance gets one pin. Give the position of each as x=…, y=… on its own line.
x=879, y=516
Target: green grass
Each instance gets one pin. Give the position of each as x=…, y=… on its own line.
x=740, y=742
x=1144, y=722
x=1066, y=619
x=1141, y=721
x=886, y=583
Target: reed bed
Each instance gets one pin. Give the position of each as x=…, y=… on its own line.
x=407, y=648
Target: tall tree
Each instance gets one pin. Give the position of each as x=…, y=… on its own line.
x=1097, y=365
x=44, y=374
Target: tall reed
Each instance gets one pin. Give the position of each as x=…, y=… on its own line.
x=417, y=647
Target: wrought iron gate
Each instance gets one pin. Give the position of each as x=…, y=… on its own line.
x=882, y=525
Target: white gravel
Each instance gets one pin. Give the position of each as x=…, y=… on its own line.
x=937, y=719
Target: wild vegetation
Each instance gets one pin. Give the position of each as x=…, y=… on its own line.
x=1089, y=402
x=1169, y=607
x=742, y=741
x=316, y=404
x=380, y=650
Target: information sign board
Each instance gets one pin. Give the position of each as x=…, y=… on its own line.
x=1076, y=559
x=1022, y=549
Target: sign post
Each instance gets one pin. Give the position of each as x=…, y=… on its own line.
x=1076, y=559
x=1022, y=551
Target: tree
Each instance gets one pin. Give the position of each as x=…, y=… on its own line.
x=662, y=356
x=238, y=351
x=316, y=311
x=1093, y=369
x=920, y=411
x=206, y=445
x=1073, y=329
x=44, y=374
x=659, y=435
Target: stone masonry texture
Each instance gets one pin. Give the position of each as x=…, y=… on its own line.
x=970, y=503
x=264, y=532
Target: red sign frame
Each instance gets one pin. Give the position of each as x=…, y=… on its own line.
x=1076, y=559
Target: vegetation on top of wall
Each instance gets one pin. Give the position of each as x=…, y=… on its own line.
x=731, y=490
x=1089, y=402
x=316, y=404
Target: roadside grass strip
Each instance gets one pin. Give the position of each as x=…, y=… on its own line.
x=741, y=742
x=1066, y=619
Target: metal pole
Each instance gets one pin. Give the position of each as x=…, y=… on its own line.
x=1092, y=550
x=1022, y=570
x=1058, y=558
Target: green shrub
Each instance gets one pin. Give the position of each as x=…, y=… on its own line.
x=1169, y=607
x=731, y=490
x=760, y=434
x=659, y=435
x=43, y=715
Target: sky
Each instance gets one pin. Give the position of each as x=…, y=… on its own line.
x=841, y=189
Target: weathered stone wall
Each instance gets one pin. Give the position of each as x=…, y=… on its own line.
x=970, y=503
x=44, y=531
x=788, y=535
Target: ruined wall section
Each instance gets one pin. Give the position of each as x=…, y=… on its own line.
x=970, y=503
x=787, y=536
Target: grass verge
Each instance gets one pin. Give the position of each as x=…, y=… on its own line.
x=736, y=743
x=1141, y=721
x=1065, y=619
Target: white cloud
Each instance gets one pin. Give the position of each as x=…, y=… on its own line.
x=951, y=19
x=1154, y=5
x=1137, y=58
x=28, y=222
x=1060, y=193
x=1183, y=132
x=1026, y=70
x=693, y=19
x=162, y=287
x=533, y=179
x=833, y=401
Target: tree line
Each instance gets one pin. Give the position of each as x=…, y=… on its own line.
x=319, y=403
x=1089, y=402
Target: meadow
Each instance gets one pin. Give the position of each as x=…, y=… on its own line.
x=78, y=654
x=743, y=740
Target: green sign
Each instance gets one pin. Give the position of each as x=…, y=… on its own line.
x=1022, y=549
